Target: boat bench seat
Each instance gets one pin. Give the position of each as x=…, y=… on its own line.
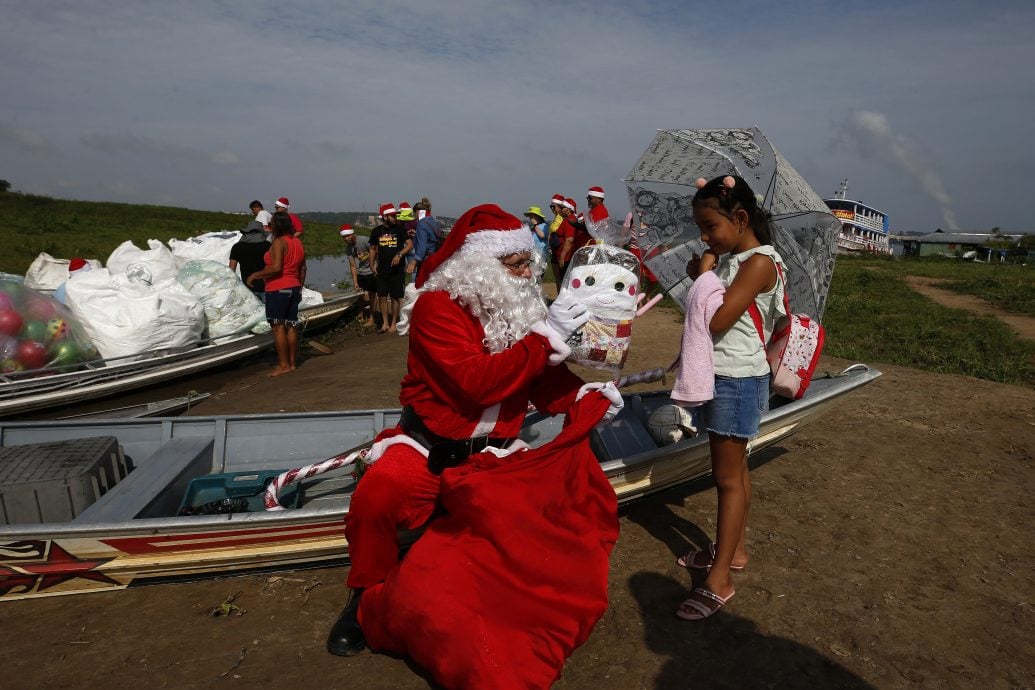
x=625, y=435
x=156, y=486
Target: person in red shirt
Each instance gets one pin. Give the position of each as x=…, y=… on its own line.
x=282, y=205
x=284, y=275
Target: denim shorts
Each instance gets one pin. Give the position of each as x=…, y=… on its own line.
x=736, y=409
x=282, y=306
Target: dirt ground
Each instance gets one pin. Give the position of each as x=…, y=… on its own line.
x=889, y=548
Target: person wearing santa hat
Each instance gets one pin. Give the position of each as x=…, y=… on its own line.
x=282, y=205
x=357, y=251
x=555, y=240
x=596, y=214
x=482, y=345
x=389, y=245
x=566, y=234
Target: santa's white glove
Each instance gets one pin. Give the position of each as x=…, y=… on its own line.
x=609, y=391
x=565, y=316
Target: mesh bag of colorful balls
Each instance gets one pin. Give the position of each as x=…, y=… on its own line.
x=38, y=333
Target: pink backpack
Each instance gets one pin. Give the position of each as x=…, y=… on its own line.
x=794, y=349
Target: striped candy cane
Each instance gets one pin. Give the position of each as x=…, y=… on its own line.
x=365, y=455
x=647, y=376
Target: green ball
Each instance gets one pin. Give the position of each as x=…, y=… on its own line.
x=12, y=288
x=65, y=353
x=35, y=330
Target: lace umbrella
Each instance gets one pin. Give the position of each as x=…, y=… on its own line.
x=661, y=187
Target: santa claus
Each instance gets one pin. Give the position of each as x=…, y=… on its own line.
x=482, y=344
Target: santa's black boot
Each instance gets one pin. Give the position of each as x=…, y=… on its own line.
x=346, y=638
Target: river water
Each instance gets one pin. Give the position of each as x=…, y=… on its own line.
x=323, y=273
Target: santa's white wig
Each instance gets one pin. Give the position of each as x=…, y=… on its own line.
x=507, y=305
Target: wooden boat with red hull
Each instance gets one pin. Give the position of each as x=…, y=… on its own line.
x=116, y=523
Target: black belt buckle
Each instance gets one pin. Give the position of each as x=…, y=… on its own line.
x=442, y=456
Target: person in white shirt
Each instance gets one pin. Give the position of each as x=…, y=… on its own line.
x=261, y=215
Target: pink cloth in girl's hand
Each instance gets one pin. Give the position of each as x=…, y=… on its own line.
x=695, y=381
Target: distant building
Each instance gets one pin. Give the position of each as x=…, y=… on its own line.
x=978, y=245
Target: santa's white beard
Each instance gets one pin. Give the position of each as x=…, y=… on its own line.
x=506, y=305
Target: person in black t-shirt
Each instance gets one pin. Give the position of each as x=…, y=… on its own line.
x=249, y=252
x=389, y=244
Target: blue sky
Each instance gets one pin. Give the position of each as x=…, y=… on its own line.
x=924, y=106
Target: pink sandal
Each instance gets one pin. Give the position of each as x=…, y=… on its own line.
x=702, y=560
x=701, y=604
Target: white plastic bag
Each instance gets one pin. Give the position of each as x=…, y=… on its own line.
x=606, y=280
x=47, y=273
x=149, y=266
x=230, y=307
x=124, y=317
x=310, y=298
x=212, y=246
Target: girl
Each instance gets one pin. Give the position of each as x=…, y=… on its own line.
x=736, y=231
x=284, y=274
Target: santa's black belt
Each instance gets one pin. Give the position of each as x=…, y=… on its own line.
x=445, y=452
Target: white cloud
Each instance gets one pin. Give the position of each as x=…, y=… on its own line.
x=24, y=138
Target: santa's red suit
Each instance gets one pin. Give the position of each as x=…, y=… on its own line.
x=459, y=390
x=512, y=576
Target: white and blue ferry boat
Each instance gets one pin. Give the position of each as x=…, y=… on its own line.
x=863, y=228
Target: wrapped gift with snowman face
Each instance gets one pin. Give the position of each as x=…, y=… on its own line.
x=606, y=280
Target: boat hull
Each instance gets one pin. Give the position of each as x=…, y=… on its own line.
x=72, y=558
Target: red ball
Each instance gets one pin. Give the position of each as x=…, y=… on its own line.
x=10, y=322
x=40, y=308
x=32, y=354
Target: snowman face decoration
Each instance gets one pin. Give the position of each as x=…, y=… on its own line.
x=608, y=291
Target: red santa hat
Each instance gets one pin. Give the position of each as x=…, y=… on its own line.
x=346, y=230
x=403, y=206
x=387, y=210
x=282, y=202
x=596, y=191
x=570, y=203
x=557, y=200
x=487, y=230
x=76, y=264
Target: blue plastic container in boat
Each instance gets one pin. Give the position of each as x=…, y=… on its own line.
x=212, y=489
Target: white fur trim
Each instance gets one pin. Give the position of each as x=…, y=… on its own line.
x=410, y=295
x=488, y=421
x=599, y=195
x=498, y=243
x=346, y=233
x=560, y=348
x=379, y=448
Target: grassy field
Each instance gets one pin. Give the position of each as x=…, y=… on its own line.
x=92, y=230
x=873, y=316
x=1008, y=286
